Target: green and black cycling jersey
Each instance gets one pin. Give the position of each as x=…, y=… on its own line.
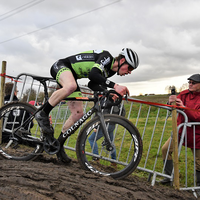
x=95, y=65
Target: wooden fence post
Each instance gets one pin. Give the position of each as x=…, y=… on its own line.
x=3, y=71
x=175, y=145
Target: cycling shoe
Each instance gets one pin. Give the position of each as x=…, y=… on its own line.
x=62, y=156
x=44, y=123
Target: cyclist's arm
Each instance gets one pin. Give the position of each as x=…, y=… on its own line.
x=97, y=77
x=95, y=86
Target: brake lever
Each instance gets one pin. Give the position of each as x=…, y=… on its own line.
x=117, y=101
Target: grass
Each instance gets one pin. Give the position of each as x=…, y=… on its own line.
x=162, y=98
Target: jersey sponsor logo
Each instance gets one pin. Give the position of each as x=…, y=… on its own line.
x=78, y=57
x=83, y=57
x=107, y=82
x=105, y=61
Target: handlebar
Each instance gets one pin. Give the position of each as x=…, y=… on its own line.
x=108, y=94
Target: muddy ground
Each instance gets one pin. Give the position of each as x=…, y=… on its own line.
x=45, y=178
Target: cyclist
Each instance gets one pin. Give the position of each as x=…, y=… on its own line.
x=97, y=65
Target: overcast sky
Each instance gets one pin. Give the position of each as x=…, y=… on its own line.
x=164, y=33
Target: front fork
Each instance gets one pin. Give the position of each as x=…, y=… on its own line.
x=108, y=142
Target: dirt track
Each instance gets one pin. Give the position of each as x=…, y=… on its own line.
x=47, y=179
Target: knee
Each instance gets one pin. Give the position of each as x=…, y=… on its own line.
x=70, y=88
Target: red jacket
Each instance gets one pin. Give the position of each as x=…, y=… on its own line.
x=190, y=100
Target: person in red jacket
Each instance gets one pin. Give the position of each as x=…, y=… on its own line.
x=188, y=98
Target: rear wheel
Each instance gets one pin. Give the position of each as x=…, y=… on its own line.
x=25, y=143
x=119, y=163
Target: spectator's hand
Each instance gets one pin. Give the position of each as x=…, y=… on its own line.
x=178, y=101
x=172, y=98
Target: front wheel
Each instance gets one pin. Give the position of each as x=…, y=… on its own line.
x=93, y=155
x=25, y=143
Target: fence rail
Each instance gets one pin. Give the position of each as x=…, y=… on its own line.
x=152, y=121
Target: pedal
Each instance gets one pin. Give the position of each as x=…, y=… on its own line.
x=51, y=145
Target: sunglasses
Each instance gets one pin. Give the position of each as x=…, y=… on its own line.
x=192, y=82
x=130, y=68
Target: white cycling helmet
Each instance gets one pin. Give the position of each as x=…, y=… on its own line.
x=131, y=57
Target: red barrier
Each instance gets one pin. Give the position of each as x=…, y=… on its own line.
x=11, y=77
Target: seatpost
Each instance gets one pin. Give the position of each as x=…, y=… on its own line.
x=43, y=82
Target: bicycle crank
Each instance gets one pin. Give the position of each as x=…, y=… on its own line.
x=51, y=145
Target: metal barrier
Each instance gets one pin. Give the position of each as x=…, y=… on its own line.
x=153, y=123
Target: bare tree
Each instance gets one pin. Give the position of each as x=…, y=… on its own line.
x=40, y=97
x=30, y=94
x=169, y=88
x=183, y=87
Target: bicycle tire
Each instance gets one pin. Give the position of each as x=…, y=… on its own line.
x=11, y=115
x=128, y=147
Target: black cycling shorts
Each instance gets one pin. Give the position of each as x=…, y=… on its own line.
x=57, y=69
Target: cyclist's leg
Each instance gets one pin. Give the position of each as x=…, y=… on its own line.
x=76, y=108
x=65, y=78
x=69, y=85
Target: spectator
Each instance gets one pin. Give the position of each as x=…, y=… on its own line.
x=191, y=99
x=8, y=90
x=15, y=117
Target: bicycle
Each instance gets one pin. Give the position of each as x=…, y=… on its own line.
x=24, y=145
